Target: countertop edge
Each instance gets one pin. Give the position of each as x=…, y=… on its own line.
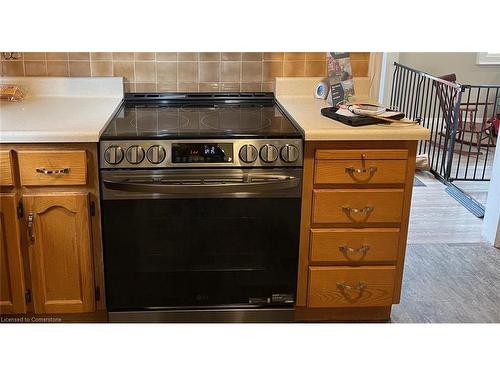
x=45, y=137
x=347, y=133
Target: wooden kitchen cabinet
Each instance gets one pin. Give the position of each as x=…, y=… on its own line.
x=51, y=232
x=11, y=264
x=60, y=252
x=355, y=209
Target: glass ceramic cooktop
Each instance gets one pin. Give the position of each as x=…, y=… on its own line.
x=150, y=121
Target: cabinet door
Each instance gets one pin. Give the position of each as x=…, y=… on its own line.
x=11, y=263
x=60, y=252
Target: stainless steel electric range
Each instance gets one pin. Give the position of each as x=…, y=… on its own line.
x=200, y=202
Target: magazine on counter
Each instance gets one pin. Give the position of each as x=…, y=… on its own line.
x=340, y=78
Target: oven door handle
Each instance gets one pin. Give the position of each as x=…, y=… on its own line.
x=288, y=182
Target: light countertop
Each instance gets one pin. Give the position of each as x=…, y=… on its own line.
x=296, y=97
x=78, y=110
x=59, y=109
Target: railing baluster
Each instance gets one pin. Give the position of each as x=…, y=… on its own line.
x=491, y=130
x=424, y=117
x=462, y=120
x=437, y=103
x=434, y=130
x=395, y=79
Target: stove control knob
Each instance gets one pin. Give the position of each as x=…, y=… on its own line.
x=156, y=154
x=135, y=154
x=289, y=153
x=248, y=153
x=268, y=153
x=113, y=155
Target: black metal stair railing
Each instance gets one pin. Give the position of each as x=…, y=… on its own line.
x=462, y=121
x=477, y=132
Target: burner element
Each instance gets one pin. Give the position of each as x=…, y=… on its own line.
x=230, y=120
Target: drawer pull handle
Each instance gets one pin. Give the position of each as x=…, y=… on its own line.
x=31, y=235
x=351, y=210
x=53, y=171
x=370, y=170
x=345, y=249
x=346, y=287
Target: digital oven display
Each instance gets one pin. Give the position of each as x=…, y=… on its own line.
x=202, y=152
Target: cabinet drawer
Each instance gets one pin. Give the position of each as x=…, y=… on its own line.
x=346, y=206
x=6, y=168
x=374, y=154
x=53, y=167
x=356, y=171
x=350, y=286
x=354, y=245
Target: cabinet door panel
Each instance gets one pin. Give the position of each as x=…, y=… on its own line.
x=11, y=264
x=60, y=252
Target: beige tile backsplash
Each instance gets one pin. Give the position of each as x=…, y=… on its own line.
x=180, y=71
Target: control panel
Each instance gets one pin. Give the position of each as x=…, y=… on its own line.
x=201, y=153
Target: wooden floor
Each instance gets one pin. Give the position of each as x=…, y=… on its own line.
x=451, y=275
x=476, y=189
x=436, y=217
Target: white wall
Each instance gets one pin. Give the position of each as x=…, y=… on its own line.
x=491, y=223
x=386, y=80
x=463, y=64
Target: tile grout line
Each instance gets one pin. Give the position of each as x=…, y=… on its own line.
x=46, y=66
x=90, y=63
x=156, y=73
x=241, y=73
x=199, y=68
x=262, y=84
x=219, y=84
x=135, y=78
x=177, y=68
x=67, y=64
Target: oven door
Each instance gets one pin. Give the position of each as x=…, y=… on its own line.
x=200, y=238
